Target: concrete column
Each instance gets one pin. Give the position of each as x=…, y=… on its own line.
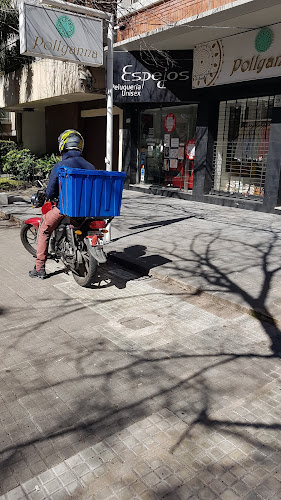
x=130, y=141
x=206, y=131
x=273, y=169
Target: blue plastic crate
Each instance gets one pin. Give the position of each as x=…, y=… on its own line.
x=90, y=193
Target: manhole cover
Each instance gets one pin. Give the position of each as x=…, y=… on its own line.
x=135, y=323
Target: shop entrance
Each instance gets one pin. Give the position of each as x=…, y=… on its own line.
x=95, y=141
x=164, y=135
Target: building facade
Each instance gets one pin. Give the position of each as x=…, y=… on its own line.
x=230, y=103
x=197, y=100
x=48, y=96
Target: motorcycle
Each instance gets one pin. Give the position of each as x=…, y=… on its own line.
x=77, y=242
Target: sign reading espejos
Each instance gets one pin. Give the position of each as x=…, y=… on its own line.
x=57, y=34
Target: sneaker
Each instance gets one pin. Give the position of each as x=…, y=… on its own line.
x=37, y=274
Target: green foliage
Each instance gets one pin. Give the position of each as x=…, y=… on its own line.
x=5, y=147
x=7, y=184
x=20, y=163
x=10, y=58
x=9, y=20
x=24, y=165
x=45, y=164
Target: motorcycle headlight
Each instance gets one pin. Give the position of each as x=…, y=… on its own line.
x=38, y=199
x=34, y=199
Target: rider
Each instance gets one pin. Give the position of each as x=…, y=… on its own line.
x=71, y=145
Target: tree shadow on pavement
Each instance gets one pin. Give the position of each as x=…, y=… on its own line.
x=142, y=228
x=136, y=259
x=94, y=385
x=211, y=272
x=111, y=275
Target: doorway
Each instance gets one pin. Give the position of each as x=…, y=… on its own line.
x=95, y=141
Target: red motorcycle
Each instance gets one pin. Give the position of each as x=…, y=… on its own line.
x=77, y=242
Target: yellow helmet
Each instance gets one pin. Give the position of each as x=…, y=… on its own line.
x=70, y=139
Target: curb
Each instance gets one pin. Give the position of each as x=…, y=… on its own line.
x=11, y=217
x=258, y=314
x=143, y=271
x=216, y=299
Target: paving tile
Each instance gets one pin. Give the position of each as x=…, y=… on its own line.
x=59, y=495
x=17, y=494
x=38, y=494
x=67, y=477
x=30, y=485
x=74, y=487
x=76, y=376
x=52, y=486
x=229, y=495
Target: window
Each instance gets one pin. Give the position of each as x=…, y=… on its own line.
x=5, y=117
x=164, y=133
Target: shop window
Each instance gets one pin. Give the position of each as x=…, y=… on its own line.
x=241, y=149
x=164, y=134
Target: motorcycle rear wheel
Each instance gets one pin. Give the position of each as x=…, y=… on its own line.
x=86, y=271
x=28, y=236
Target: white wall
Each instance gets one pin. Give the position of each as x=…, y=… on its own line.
x=33, y=131
x=43, y=79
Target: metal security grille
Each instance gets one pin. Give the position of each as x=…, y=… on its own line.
x=241, y=149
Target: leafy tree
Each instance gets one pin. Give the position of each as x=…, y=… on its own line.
x=10, y=58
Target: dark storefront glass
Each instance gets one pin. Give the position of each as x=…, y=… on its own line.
x=164, y=133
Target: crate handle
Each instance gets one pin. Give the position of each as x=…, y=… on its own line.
x=61, y=196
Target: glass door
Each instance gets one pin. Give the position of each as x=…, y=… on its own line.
x=164, y=134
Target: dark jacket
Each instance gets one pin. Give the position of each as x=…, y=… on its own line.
x=71, y=158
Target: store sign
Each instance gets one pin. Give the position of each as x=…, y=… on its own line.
x=249, y=56
x=144, y=77
x=55, y=34
x=190, y=149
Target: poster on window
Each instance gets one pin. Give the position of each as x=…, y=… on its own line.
x=166, y=152
x=166, y=165
x=181, y=153
x=174, y=153
x=190, y=149
x=170, y=122
x=175, y=142
x=167, y=140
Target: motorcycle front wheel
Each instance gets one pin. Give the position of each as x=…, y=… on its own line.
x=86, y=270
x=28, y=236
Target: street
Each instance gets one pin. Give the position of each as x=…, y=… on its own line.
x=133, y=389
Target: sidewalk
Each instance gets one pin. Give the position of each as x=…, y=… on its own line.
x=232, y=255
x=136, y=389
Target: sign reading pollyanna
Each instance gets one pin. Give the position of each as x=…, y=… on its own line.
x=252, y=55
x=55, y=34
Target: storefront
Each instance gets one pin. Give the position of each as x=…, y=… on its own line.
x=216, y=140
x=164, y=134
x=240, y=77
x=159, y=116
